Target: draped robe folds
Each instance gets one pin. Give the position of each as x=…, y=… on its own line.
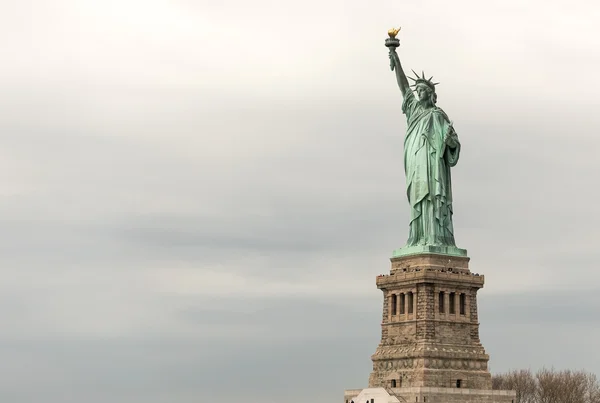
x=427, y=162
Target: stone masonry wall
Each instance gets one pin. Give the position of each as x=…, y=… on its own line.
x=384, y=319
x=456, y=333
x=474, y=318
x=449, y=395
x=402, y=333
x=425, y=310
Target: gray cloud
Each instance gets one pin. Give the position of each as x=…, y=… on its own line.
x=196, y=198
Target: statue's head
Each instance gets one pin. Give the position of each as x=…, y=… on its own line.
x=425, y=89
x=426, y=94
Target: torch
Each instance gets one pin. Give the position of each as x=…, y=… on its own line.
x=392, y=43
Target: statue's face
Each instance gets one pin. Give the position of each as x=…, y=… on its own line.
x=423, y=93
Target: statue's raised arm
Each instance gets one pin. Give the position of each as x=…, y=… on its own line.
x=400, y=76
x=392, y=43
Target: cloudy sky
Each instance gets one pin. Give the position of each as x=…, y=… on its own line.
x=196, y=196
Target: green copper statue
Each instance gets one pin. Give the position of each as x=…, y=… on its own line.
x=431, y=148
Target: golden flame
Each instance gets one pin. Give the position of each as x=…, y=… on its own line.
x=393, y=32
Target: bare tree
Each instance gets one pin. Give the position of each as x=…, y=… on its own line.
x=592, y=389
x=550, y=386
x=522, y=381
x=574, y=386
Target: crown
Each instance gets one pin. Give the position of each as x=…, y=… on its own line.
x=423, y=80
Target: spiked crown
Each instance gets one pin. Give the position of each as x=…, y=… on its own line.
x=422, y=80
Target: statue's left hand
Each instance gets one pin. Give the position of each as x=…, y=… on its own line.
x=451, y=138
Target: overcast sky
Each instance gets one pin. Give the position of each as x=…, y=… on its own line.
x=196, y=196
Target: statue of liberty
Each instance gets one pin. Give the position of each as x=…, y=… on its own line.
x=431, y=148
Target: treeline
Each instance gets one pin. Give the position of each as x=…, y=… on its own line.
x=550, y=386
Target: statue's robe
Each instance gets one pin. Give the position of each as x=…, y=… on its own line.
x=427, y=162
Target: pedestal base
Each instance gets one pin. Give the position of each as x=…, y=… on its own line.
x=429, y=395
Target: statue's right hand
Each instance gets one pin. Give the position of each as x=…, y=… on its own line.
x=392, y=60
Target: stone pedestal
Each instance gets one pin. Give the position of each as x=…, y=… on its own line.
x=430, y=347
x=430, y=328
